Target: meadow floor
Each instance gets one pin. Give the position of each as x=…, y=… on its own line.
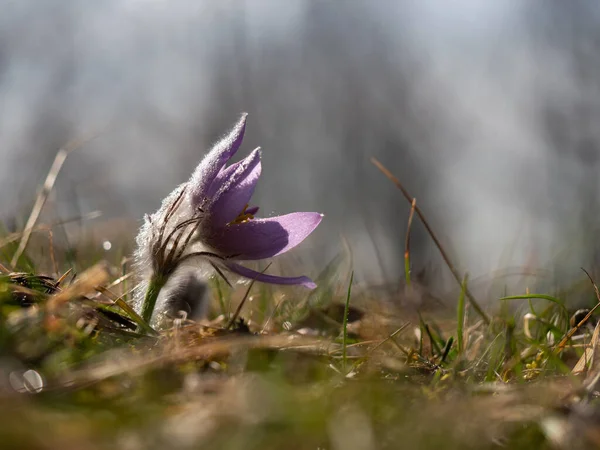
x=341, y=367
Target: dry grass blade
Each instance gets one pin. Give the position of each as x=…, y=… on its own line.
x=87, y=282
x=437, y=243
x=40, y=201
x=63, y=277
x=589, y=355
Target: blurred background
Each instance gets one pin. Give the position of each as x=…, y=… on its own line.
x=488, y=113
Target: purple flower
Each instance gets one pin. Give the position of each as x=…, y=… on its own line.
x=209, y=217
x=228, y=227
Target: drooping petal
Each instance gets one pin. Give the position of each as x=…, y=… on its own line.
x=264, y=238
x=235, y=193
x=213, y=162
x=272, y=279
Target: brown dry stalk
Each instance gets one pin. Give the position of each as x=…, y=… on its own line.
x=437, y=243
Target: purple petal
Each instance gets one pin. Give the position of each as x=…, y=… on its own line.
x=264, y=238
x=253, y=275
x=213, y=162
x=252, y=210
x=222, y=178
x=235, y=193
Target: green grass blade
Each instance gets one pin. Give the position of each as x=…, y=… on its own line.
x=345, y=325
x=542, y=296
x=407, y=268
x=221, y=298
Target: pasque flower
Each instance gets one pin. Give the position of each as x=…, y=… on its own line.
x=208, y=219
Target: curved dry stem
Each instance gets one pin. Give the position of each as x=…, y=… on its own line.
x=163, y=262
x=187, y=240
x=175, y=253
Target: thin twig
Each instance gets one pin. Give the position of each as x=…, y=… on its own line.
x=438, y=244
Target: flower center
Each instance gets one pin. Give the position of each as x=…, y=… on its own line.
x=243, y=216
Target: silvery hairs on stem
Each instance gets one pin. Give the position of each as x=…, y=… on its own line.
x=205, y=227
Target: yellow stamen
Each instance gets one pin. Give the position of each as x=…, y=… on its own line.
x=243, y=216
